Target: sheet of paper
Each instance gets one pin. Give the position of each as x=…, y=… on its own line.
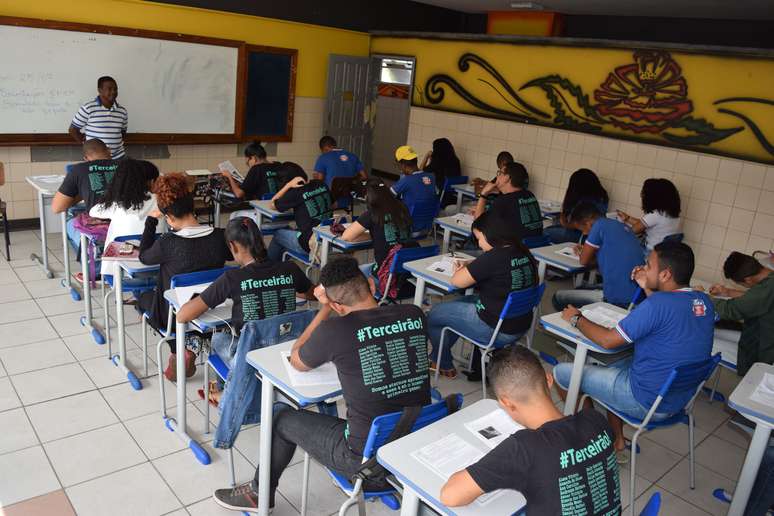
x=227, y=166
x=568, y=252
x=463, y=219
x=198, y=172
x=443, y=266
x=764, y=392
x=603, y=316
x=550, y=206
x=324, y=375
x=448, y=455
x=493, y=428
x=184, y=294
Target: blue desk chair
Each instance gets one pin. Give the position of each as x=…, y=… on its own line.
x=653, y=506
x=422, y=215
x=379, y=435
x=518, y=303
x=401, y=257
x=447, y=188
x=304, y=258
x=533, y=242
x=682, y=378
x=676, y=237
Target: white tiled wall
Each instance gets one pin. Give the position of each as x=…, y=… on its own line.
x=727, y=204
x=307, y=129
x=390, y=131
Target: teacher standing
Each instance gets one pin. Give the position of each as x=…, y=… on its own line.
x=103, y=118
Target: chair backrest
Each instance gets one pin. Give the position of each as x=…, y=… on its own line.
x=454, y=180
x=521, y=302
x=68, y=168
x=197, y=278
x=267, y=197
x=533, y=242
x=690, y=376
x=653, y=506
x=382, y=426
x=422, y=215
x=676, y=237
x=409, y=254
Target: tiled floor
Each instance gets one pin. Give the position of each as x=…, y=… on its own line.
x=76, y=439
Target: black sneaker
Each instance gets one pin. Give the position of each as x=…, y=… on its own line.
x=241, y=498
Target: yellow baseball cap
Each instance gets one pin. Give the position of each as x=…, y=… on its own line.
x=405, y=152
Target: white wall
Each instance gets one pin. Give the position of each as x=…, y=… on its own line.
x=727, y=204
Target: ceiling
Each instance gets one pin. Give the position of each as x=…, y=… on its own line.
x=723, y=9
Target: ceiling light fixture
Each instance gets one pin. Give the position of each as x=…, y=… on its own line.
x=532, y=6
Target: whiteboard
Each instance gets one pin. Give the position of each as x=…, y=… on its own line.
x=166, y=86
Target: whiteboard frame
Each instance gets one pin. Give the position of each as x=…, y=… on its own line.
x=138, y=138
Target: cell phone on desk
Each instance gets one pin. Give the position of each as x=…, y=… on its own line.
x=125, y=248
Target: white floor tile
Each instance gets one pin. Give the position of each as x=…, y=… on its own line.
x=675, y=437
x=721, y=457
x=63, y=304
x=189, y=479
x=68, y=325
x=324, y=497
x=709, y=416
x=83, y=347
x=51, y=383
x=35, y=272
x=17, y=432
x=9, y=277
x=93, y=454
x=733, y=435
x=24, y=332
x=137, y=491
x=641, y=485
x=10, y=293
x=129, y=404
x=38, y=355
x=8, y=397
x=24, y=474
x=654, y=460
x=19, y=311
x=105, y=373
x=72, y=415
x=677, y=482
x=45, y=287
x=670, y=504
x=157, y=441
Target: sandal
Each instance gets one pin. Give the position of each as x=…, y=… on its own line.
x=215, y=393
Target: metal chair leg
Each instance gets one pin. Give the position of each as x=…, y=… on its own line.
x=106, y=311
x=206, y=389
x=715, y=385
x=632, y=471
x=691, y=458
x=483, y=372
x=231, y=466
x=161, y=371
x=305, y=484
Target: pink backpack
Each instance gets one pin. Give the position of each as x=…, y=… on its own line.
x=96, y=231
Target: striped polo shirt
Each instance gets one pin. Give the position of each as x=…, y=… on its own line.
x=107, y=124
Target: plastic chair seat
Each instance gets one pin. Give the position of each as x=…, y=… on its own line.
x=218, y=365
x=301, y=257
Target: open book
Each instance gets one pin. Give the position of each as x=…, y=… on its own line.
x=227, y=166
x=326, y=374
x=603, y=316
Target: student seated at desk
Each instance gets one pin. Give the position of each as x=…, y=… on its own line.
x=260, y=289
x=536, y=460
x=311, y=203
x=510, y=200
x=754, y=306
x=335, y=162
x=261, y=179
x=443, y=163
x=127, y=202
x=386, y=218
x=584, y=186
x=370, y=385
x=85, y=182
x=673, y=326
x=188, y=247
x=505, y=266
x=661, y=208
x=414, y=185
x=615, y=249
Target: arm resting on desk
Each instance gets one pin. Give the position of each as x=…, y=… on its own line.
x=295, y=358
x=608, y=338
x=191, y=310
x=353, y=232
x=462, y=278
x=588, y=255
x=460, y=489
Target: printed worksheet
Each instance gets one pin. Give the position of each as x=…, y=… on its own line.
x=493, y=428
x=443, y=266
x=448, y=455
x=568, y=252
x=764, y=392
x=464, y=219
x=603, y=316
x=324, y=375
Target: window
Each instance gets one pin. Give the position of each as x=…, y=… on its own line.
x=396, y=71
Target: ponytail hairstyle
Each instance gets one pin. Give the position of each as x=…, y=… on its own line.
x=499, y=232
x=245, y=232
x=254, y=149
x=173, y=194
x=381, y=202
x=130, y=187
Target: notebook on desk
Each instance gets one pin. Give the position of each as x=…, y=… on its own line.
x=116, y=251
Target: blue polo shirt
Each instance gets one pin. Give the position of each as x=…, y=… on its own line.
x=419, y=186
x=618, y=252
x=337, y=163
x=668, y=329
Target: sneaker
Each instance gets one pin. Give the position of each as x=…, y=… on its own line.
x=241, y=498
x=170, y=373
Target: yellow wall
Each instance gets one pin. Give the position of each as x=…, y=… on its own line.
x=693, y=120
x=314, y=43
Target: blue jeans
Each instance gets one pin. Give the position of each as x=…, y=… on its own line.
x=560, y=234
x=74, y=236
x=284, y=240
x=462, y=316
x=225, y=346
x=762, y=494
x=576, y=297
x=609, y=385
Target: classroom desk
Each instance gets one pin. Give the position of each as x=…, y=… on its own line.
x=210, y=320
x=46, y=187
x=422, y=483
x=268, y=363
x=452, y=224
x=328, y=239
x=553, y=323
x=550, y=209
x=464, y=192
x=264, y=209
x=131, y=268
x=418, y=268
x=548, y=256
x=222, y=194
x=763, y=416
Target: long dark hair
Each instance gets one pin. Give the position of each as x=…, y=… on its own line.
x=289, y=170
x=584, y=185
x=381, y=202
x=444, y=161
x=130, y=187
x=245, y=232
x=499, y=232
x=660, y=195
x=254, y=149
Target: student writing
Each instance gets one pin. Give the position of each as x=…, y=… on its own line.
x=661, y=208
x=584, y=186
x=511, y=200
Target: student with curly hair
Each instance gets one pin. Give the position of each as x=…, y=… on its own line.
x=661, y=208
x=188, y=247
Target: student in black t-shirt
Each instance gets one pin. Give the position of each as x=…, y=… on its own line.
x=562, y=465
x=311, y=203
x=261, y=179
x=514, y=203
x=260, y=289
x=505, y=266
x=380, y=354
x=386, y=218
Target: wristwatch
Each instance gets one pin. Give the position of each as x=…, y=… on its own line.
x=574, y=320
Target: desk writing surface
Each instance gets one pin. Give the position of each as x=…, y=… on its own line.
x=264, y=206
x=47, y=184
x=211, y=318
x=549, y=255
x=558, y=326
x=740, y=399
x=420, y=268
x=326, y=233
x=453, y=223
